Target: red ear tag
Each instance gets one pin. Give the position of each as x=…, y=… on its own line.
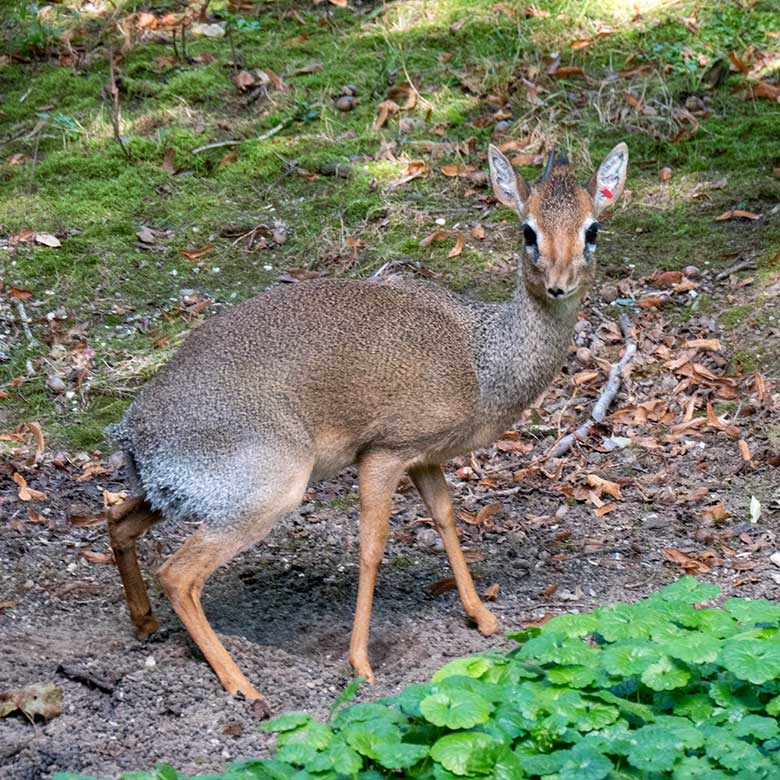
x=606, y=193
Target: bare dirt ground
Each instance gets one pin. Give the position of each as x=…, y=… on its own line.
x=663, y=487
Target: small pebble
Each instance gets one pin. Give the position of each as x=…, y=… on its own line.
x=349, y=90
x=584, y=356
x=609, y=293
x=55, y=384
x=345, y=103
x=150, y=663
x=691, y=270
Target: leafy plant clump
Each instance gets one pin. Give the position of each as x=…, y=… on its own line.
x=658, y=689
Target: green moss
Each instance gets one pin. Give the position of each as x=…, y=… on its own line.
x=85, y=189
x=735, y=316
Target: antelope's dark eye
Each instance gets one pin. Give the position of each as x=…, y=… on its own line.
x=529, y=234
x=592, y=233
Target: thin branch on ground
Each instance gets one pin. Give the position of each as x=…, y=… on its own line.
x=742, y=265
x=218, y=144
x=113, y=91
x=25, y=320
x=605, y=399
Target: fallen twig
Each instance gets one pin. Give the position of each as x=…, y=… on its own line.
x=218, y=144
x=25, y=320
x=605, y=399
x=113, y=91
x=742, y=265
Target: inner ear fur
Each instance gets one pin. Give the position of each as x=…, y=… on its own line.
x=509, y=187
x=606, y=184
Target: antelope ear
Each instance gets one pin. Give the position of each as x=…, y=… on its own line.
x=510, y=189
x=606, y=186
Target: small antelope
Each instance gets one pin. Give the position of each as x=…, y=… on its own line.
x=299, y=382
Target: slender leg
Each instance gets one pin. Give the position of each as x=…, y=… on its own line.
x=430, y=482
x=183, y=576
x=378, y=477
x=126, y=522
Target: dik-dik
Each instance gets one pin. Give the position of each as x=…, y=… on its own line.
x=301, y=381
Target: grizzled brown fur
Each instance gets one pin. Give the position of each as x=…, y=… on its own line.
x=301, y=381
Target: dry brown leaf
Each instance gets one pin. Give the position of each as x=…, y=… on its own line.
x=403, y=91
x=19, y=294
x=600, y=511
x=243, y=80
x=43, y=699
x=665, y=174
x=549, y=591
x=338, y=3
x=667, y=278
x=111, y=499
x=487, y=512
x=145, y=21
x=86, y=521
x=761, y=89
x=27, y=493
x=437, y=235
x=92, y=469
x=458, y=248
x=413, y=169
x=711, y=345
x=738, y=63
x=37, y=432
x=491, y=592
x=583, y=377
x=690, y=565
x=744, y=451
x=442, y=586
x=604, y=486
x=504, y=9
x=716, y=422
x=169, y=161
x=385, y=109
x=715, y=514
x=478, y=232
x=737, y=214
x=457, y=170
x=196, y=254
x=96, y=557
x=36, y=517
x=566, y=71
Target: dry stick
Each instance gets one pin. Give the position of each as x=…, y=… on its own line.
x=605, y=399
x=218, y=144
x=113, y=90
x=742, y=265
x=25, y=320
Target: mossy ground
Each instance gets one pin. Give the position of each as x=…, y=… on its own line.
x=62, y=171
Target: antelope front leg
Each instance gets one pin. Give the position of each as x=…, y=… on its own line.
x=430, y=482
x=378, y=476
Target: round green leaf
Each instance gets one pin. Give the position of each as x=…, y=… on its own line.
x=751, y=612
x=688, y=590
x=286, y=722
x=572, y=625
x=465, y=754
x=751, y=659
x=463, y=667
x=757, y=726
x=656, y=749
x=455, y=709
x=400, y=755
x=623, y=621
x=665, y=675
x=367, y=736
x=694, y=648
x=586, y=763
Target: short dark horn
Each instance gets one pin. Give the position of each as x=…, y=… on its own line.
x=550, y=162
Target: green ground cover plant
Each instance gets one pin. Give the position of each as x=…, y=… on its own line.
x=666, y=688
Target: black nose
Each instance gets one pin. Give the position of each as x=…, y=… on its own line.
x=556, y=292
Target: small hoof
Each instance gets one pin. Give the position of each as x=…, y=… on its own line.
x=486, y=623
x=146, y=627
x=261, y=709
x=363, y=669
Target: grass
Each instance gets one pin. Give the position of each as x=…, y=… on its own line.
x=465, y=58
